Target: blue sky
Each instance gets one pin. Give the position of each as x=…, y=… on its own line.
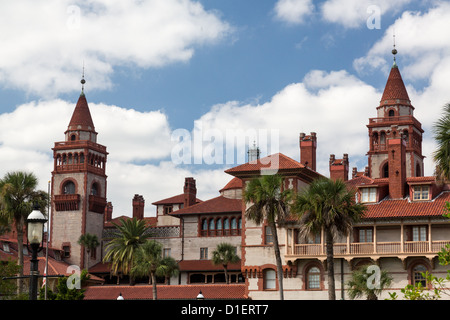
x=156, y=66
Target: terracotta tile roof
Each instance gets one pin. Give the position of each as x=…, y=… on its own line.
x=395, y=88
x=405, y=208
x=165, y=292
x=173, y=200
x=205, y=265
x=278, y=162
x=150, y=221
x=81, y=117
x=219, y=204
x=234, y=183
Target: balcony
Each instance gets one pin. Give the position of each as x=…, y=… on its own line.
x=67, y=202
x=97, y=204
x=366, y=249
x=375, y=242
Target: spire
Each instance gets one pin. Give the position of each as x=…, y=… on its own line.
x=395, y=90
x=394, y=52
x=82, y=81
x=81, y=117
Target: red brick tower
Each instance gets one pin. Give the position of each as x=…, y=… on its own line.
x=395, y=109
x=78, y=186
x=308, y=147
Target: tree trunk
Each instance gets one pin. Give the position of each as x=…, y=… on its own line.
x=330, y=266
x=278, y=259
x=226, y=273
x=154, y=286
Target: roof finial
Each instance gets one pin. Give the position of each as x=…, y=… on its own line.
x=394, y=51
x=82, y=81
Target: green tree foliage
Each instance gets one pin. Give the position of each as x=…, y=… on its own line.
x=8, y=288
x=63, y=292
x=18, y=194
x=368, y=283
x=328, y=205
x=224, y=254
x=124, y=243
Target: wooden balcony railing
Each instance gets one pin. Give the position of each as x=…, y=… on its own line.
x=366, y=248
x=67, y=202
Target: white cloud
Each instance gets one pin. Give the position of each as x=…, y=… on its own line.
x=293, y=11
x=356, y=13
x=139, y=146
x=44, y=44
x=335, y=105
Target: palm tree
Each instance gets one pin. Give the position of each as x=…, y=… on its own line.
x=268, y=202
x=169, y=268
x=130, y=234
x=441, y=129
x=90, y=242
x=148, y=262
x=328, y=205
x=17, y=190
x=361, y=283
x=224, y=254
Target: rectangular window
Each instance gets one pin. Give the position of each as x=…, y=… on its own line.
x=168, y=209
x=365, y=235
x=166, y=252
x=419, y=233
x=421, y=192
x=268, y=237
x=203, y=253
x=368, y=194
x=270, y=279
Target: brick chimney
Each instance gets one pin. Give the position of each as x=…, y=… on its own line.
x=308, y=146
x=108, y=212
x=138, y=207
x=190, y=192
x=339, y=168
x=397, y=164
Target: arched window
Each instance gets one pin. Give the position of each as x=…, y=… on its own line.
x=418, y=170
x=406, y=136
x=219, y=227
x=73, y=137
x=270, y=277
x=226, y=227
x=69, y=187
x=82, y=157
x=417, y=276
x=391, y=113
x=313, y=278
x=204, y=227
x=385, y=171
x=375, y=140
x=212, y=226
x=383, y=137
x=95, y=189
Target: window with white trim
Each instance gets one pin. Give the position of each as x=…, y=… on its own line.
x=421, y=192
x=368, y=194
x=270, y=279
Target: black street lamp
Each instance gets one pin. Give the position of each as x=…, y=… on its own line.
x=35, y=221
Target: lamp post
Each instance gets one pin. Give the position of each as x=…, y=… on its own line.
x=35, y=221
